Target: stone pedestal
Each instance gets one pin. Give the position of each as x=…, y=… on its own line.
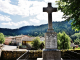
x=51, y=54
x=51, y=40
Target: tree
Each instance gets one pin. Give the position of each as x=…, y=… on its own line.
x=42, y=45
x=63, y=41
x=77, y=41
x=36, y=43
x=2, y=39
x=71, y=10
x=75, y=36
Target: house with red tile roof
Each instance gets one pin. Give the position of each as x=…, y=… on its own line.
x=21, y=39
x=7, y=40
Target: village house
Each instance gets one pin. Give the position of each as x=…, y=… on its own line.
x=73, y=45
x=18, y=40
x=27, y=40
x=14, y=39
x=8, y=40
x=21, y=39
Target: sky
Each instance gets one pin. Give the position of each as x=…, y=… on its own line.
x=17, y=13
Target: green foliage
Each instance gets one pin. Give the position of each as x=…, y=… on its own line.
x=77, y=41
x=71, y=10
x=75, y=36
x=2, y=39
x=78, y=48
x=42, y=45
x=63, y=41
x=36, y=43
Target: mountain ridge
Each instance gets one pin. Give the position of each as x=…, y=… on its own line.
x=39, y=30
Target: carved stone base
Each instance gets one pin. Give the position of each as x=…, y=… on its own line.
x=51, y=54
x=50, y=30
x=50, y=40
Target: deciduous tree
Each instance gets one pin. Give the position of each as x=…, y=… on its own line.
x=71, y=10
x=36, y=43
x=63, y=41
x=2, y=39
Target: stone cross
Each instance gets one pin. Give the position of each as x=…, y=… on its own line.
x=49, y=10
x=50, y=52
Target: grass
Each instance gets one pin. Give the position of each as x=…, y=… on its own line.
x=71, y=49
x=78, y=48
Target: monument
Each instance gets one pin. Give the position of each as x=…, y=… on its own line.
x=50, y=52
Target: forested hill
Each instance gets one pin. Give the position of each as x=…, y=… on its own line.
x=39, y=30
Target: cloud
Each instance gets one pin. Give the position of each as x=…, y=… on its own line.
x=24, y=7
x=42, y=16
x=6, y=7
x=34, y=20
x=29, y=9
x=4, y=18
x=16, y=24
x=57, y=16
x=50, y=1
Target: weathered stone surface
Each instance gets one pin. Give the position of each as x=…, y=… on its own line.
x=49, y=10
x=52, y=55
x=50, y=40
x=11, y=55
x=50, y=52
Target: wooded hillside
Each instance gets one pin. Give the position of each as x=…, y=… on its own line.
x=39, y=30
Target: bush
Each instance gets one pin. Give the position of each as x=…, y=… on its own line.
x=2, y=39
x=63, y=41
x=37, y=44
x=41, y=45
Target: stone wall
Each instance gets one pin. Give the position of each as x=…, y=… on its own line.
x=11, y=55
x=70, y=54
x=35, y=54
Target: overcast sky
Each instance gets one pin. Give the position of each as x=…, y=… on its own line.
x=18, y=13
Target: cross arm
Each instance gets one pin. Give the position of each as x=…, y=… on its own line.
x=54, y=9
x=44, y=9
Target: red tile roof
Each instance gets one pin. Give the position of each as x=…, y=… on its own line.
x=7, y=41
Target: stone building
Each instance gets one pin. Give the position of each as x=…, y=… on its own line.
x=27, y=39
x=21, y=39
x=8, y=40
x=13, y=39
